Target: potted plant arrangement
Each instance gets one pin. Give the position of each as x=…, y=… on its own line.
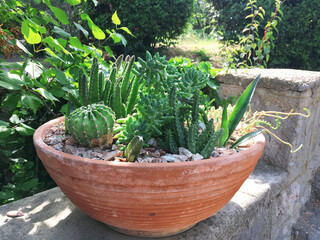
x=142, y=151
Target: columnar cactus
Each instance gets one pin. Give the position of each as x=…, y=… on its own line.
x=91, y=125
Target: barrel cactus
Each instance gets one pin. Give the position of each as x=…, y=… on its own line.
x=91, y=125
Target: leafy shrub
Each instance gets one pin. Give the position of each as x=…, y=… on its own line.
x=151, y=22
x=298, y=37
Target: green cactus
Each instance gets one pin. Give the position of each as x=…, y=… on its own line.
x=91, y=125
x=182, y=136
x=133, y=149
x=119, y=91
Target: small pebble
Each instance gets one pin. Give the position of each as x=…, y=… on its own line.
x=184, y=151
x=215, y=154
x=15, y=214
x=196, y=157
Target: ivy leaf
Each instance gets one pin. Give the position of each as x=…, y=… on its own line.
x=96, y=31
x=31, y=35
x=115, y=19
x=123, y=40
x=60, y=15
x=85, y=32
x=11, y=101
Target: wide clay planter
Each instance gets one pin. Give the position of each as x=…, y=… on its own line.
x=148, y=199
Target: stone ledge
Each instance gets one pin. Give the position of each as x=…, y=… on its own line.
x=50, y=215
x=279, y=79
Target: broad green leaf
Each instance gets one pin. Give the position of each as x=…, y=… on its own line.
x=5, y=124
x=6, y=195
x=126, y=30
x=46, y=94
x=109, y=51
x=11, y=101
x=241, y=106
x=123, y=40
x=26, y=186
x=14, y=119
x=4, y=132
x=31, y=35
x=74, y=2
x=53, y=43
x=75, y=42
x=115, y=19
x=60, y=15
x=47, y=17
x=85, y=32
x=9, y=82
x=96, y=31
x=31, y=101
x=25, y=130
x=36, y=26
x=50, y=52
x=34, y=69
x=61, y=77
x=61, y=32
x=22, y=47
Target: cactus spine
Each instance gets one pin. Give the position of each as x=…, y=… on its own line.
x=133, y=149
x=91, y=125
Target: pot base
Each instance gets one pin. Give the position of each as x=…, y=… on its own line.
x=150, y=233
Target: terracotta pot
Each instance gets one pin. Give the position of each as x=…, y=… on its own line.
x=148, y=199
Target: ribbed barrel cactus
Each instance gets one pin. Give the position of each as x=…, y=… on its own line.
x=91, y=125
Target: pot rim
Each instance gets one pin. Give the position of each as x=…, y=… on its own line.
x=41, y=132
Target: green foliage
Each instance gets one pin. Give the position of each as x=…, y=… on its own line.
x=91, y=125
x=133, y=149
x=32, y=93
x=293, y=44
x=150, y=22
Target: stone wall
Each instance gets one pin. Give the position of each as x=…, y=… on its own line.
x=283, y=90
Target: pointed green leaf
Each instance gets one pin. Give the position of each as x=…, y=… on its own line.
x=85, y=32
x=25, y=130
x=60, y=15
x=4, y=132
x=22, y=47
x=224, y=124
x=115, y=19
x=241, y=106
x=248, y=136
x=61, y=32
x=126, y=30
x=96, y=31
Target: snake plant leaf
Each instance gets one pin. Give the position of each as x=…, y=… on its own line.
x=241, y=107
x=224, y=123
x=249, y=136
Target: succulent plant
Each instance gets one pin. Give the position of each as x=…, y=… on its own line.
x=133, y=149
x=91, y=125
x=119, y=91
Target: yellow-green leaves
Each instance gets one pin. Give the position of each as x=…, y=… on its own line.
x=31, y=35
x=74, y=2
x=60, y=15
x=115, y=19
x=96, y=31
